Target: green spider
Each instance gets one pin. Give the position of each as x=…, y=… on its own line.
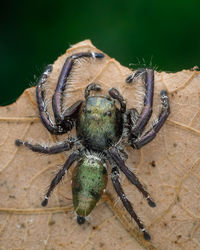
x=101, y=132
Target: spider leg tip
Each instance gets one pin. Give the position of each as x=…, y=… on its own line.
x=44, y=203
x=146, y=236
x=99, y=55
x=163, y=93
x=151, y=203
x=18, y=142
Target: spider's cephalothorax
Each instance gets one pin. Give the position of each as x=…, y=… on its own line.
x=102, y=130
x=99, y=123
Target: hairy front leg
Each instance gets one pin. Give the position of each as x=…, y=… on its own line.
x=148, y=75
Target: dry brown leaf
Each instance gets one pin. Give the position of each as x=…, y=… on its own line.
x=174, y=182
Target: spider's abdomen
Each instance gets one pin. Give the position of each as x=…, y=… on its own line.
x=99, y=123
x=88, y=182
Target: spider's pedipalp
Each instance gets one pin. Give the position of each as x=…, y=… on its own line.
x=114, y=93
x=41, y=102
x=92, y=86
x=55, y=149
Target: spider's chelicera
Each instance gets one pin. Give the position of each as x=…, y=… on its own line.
x=102, y=130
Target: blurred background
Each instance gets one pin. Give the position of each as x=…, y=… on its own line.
x=165, y=34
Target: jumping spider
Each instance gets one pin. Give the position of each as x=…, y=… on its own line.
x=101, y=129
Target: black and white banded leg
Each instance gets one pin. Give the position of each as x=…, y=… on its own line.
x=42, y=106
x=151, y=134
x=126, y=202
x=72, y=158
x=55, y=149
x=131, y=176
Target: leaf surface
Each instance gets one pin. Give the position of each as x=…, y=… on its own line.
x=169, y=168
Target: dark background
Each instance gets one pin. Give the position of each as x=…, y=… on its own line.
x=35, y=33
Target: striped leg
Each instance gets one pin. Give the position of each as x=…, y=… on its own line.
x=126, y=202
x=151, y=134
x=55, y=149
x=145, y=115
x=72, y=158
x=131, y=176
x=41, y=102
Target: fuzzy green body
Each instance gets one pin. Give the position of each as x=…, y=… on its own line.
x=99, y=123
x=88, y=182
